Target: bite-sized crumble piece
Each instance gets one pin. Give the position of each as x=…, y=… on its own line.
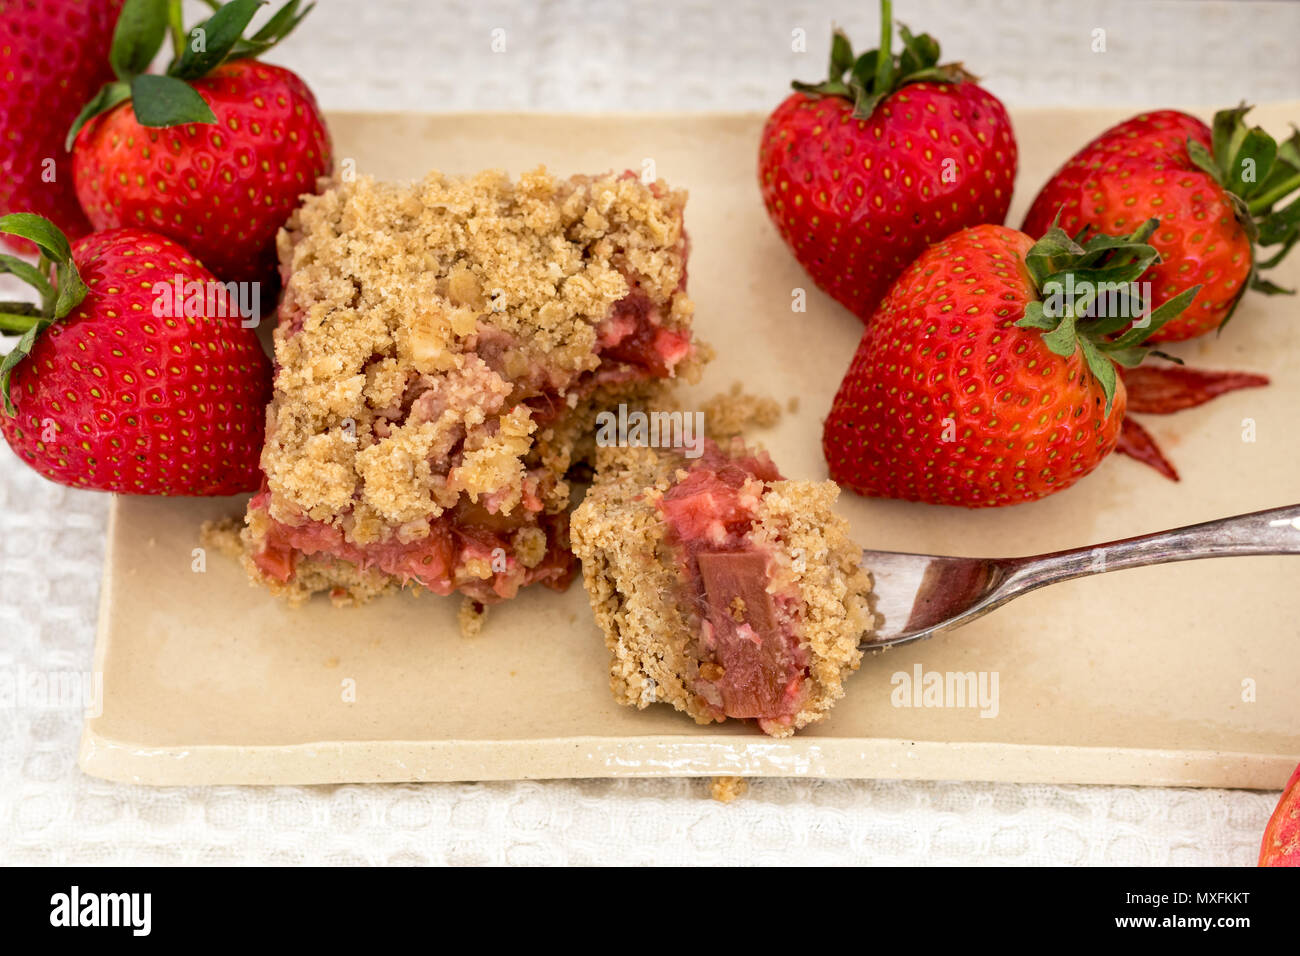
x=722, y=588
x=441, y=353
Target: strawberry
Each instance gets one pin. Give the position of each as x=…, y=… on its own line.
x=53, y=55
x=1281, y=843
x=216, y=152
x=1216, y=193
x=890, y=154
x=987, y=375
x=120, y=384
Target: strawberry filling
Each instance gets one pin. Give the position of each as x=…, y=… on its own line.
x=633, y=342
x=464, y=537
x=751, y=661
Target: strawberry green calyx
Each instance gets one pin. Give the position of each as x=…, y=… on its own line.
x=869, y=78
x=1258, y=173
x=1091, y=300
x=55, y=280
x=169, y=99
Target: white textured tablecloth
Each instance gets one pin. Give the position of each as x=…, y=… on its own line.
x=663, y=55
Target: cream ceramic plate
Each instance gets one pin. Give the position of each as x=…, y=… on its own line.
x=1172, y=675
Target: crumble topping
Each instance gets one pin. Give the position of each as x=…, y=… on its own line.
x=394, y=294
x=442, y=350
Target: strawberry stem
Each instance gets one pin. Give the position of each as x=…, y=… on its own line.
x=176, y=25
x=1261, y=203
x=868, y=79
x=885, y=62
x=14, y=322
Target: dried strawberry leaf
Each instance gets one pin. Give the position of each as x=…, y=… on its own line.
x=1136, y=442
x=1163, y=390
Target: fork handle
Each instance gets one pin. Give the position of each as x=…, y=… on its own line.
x=1276, y=531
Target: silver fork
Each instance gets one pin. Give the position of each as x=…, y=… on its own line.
x=919, y=595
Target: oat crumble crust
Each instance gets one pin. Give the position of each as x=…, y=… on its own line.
x=439, y=349
x=633, y=582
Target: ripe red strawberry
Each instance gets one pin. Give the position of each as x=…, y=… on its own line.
x=1215, y=192
x=53, y=56
x=215, y=154
x=1281, y=843
x=890, y=154
x=987, y=376
x=119, y=384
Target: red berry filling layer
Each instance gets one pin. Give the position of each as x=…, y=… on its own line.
x=752, y=664
x=468, y=535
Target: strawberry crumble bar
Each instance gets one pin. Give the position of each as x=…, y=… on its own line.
x=441, y=353
x=722, y=588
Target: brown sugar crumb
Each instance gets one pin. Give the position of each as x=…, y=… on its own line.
x=222, y=536
x=726, y=789
x=711, y=671
x=442, y=351
x=731, y=413
x=737, y=609
x=471, y=617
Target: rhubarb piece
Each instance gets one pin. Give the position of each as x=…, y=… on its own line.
x=442, y=351
x=722, y=588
